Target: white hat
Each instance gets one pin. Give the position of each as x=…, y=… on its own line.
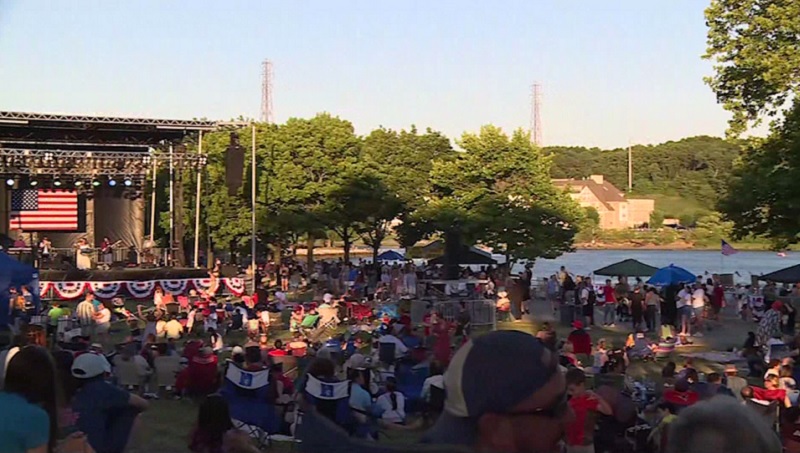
x=327, y=298
x=237, y=350
x=89, y=365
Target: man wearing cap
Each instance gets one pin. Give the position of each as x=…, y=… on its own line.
x=734, y=382
x=514, y=401
x=105, y=413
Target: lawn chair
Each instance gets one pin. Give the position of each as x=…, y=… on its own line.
x=331, y=399
x=247, y=394
x=409, y=382
x=386, y=353
x=183, y=303
x=167, y=368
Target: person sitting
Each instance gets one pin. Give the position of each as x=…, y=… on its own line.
x=277, y=349
x=567, y=358
x=580, y=339
x=641, y=348
x=106, y=414
x=681, y=395
x=361, y=403
x=252, y=359
x=659, y=436
x=600, y=356
x=215, y=340
x=214, y=431
x=435, y=379
x=392, y=403
x=586, y=405
x=668, y=372
x=400, y=349
x=716, y=387
x=200, y=378
x=237, y=356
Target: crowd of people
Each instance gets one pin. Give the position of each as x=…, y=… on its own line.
x=501, y=391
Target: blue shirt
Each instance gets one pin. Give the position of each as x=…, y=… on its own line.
x=23, y=426
x=104, y=415
x=360, y=399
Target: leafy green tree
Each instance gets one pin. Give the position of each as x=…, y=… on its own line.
x=592, y=216
x=469, y=192
x=764, y=194
x=755, y=45
x=656, y=219
x=711, y=228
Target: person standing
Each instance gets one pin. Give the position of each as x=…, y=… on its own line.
x=610, y=305
x=699, y=300
x=637, y=308
x=586, y=405
x=651, y=304
x=85, y=312
x=683, y=302
x=588, y=299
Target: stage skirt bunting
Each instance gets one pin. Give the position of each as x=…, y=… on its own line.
x=44, y=287
x=137, y=289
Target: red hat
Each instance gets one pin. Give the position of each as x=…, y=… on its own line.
x=777, y=305
x=577, y=324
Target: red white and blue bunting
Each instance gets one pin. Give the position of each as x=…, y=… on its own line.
x=136, y=289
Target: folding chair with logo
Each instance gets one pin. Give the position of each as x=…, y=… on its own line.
x=331, y=399
x=247, y=394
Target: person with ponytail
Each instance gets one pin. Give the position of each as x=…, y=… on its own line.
x=392, y=403
x=30, y=402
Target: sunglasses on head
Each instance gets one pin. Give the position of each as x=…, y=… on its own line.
x=555, y=410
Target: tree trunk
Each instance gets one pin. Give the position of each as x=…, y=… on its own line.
x=310, y=255
x=375, y=246
x=346, y=243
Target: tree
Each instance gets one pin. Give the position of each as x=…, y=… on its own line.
x=469, y=193
x=764, y=194
x=656, y=219
x=755, y=45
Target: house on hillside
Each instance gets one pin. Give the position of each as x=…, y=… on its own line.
x=615, y=209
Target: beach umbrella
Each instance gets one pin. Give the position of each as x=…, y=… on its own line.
x=671, y=275
x=391, y=255
x=628, y=268
x=788, y=275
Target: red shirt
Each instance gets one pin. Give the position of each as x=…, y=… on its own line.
x=608, y=294
x=581, y=430
x=581, y=342
x=681, y=399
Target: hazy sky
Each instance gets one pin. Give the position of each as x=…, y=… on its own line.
x=611, y=70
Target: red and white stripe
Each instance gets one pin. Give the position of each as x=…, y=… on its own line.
x=58, y=210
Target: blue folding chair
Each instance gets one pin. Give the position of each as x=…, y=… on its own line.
x=247, y=394
x=331, y=399
x=410, y=380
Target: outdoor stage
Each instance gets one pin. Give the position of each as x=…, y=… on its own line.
x=132, y=283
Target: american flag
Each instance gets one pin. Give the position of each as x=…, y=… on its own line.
x=728, y=249
x=41, y=209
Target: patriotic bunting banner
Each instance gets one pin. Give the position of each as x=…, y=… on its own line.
x=137, y=290
x=141, y=290
x=104, y=290
x=69, y=290
x=174, y=287
x=44, y=287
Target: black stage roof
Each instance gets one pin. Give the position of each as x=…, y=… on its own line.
x=44, y=131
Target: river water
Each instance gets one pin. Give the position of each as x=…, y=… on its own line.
x=584, y=262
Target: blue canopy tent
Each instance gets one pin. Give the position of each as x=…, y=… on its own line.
x=391, y=255
x=671, y=275
x=16, y=274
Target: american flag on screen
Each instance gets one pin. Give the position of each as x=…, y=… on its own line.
x=728, y=249
x=39, y=209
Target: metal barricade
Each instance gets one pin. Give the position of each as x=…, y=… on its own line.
x=482, y=311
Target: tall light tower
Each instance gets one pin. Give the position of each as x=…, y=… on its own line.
x=536, y=114
x=266, y=92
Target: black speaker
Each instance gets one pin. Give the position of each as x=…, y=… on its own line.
x=234, y=165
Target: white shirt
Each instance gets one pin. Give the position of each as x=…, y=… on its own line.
x=399, y=349
x=435, y=381
x=699, y=298
x=585, y=295
x=85, y=311
x=684, y=298
x=211, y=321
x=103, y=316
x=392, y=415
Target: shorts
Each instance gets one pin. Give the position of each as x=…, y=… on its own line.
x=685, y=311
x=698, y=311
x=102, y=328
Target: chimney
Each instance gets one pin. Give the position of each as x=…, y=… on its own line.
x=597, y=178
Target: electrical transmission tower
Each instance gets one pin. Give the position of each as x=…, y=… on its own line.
x=266, y=92
x=536, y=114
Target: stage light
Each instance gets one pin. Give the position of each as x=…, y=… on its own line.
x=78, y=183
x=9, y=182
x=112, y=182
x=57, y=183
x=128, y=182
x=33, y=182
x=95, y=183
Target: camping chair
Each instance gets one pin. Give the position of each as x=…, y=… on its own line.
x=328, y=315
x=247, y=394
x=435, y=404
x=183, y=303
x=386, y=353
x=125, y=372
x=410, y=380
x=331, y=399
x=167, y=368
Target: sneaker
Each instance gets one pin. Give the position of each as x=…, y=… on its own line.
x=698, y=334
x=612, y=325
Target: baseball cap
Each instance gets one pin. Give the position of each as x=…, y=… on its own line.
x=90, y=365
x=490, y=374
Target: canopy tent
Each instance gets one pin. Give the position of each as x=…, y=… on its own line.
x=16, y=274
x=467, y=256
x=391, y=255
x=671, y=275
x=628, y=268
x=788, y=275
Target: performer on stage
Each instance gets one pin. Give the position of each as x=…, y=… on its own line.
x=83, y=258
x=44, y=249
x=106, y=252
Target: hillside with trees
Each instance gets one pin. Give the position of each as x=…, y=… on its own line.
x=686, y=177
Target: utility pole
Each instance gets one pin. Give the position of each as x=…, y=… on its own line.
x=630, y=167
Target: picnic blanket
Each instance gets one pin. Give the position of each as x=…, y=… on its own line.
x=716, y=356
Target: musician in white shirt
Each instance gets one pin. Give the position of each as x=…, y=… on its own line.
x=83, y=259
x=44, y=249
